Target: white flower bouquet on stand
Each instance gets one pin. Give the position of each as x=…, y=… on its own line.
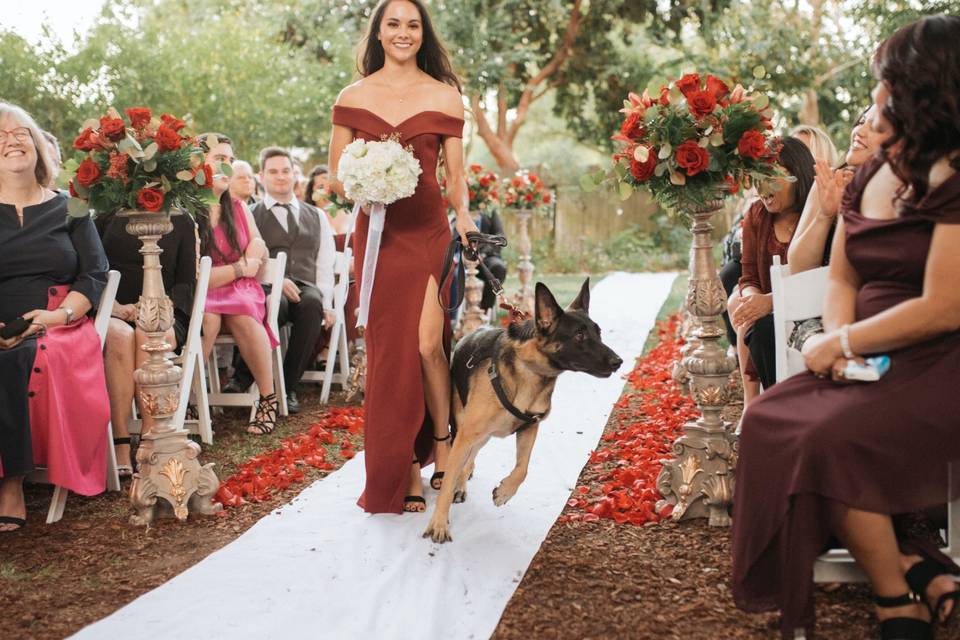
x=374, y=174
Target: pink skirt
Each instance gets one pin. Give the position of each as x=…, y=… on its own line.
x=69, y=406
x=242, y=297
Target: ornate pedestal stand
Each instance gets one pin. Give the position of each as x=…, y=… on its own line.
x=699, y=480
x=472, y=317
x=169, y=468
x=524, y=296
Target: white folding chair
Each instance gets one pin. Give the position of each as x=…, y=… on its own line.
x=101, y=323
x=797, y=298
x=192, y=382
x=338, y=334
x=271, y=273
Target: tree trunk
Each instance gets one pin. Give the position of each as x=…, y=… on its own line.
x=810, y=109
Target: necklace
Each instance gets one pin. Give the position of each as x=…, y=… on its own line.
x=399, y=96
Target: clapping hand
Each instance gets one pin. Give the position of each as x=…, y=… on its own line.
x=752, y=308
x=830, y=185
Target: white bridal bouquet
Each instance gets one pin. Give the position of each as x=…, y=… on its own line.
x=374, y=174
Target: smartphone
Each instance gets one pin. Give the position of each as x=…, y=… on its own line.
x=14, y=328
x=870, y=371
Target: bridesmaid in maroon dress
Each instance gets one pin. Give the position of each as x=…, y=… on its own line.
x=820, y=458
x=409, y=89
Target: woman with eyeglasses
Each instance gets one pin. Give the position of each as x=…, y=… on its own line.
x=53, y=398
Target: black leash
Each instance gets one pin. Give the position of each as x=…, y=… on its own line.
x=476, y=240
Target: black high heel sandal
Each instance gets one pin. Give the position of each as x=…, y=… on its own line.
x=903, y=628
x=414, y=499
x=920, y=575
x=124, y=470
x=265, y=419
x=438, y=476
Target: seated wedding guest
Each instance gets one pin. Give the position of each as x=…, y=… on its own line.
x=302, y=232
x=491, y=224
x=822, y=456
x=56, y=158
x=820, y=144
x=235, y=300
x=811, y=246
x=53, y=398
x=768, y=229
x=823, y=149
x=243, y=184
x=123, y=353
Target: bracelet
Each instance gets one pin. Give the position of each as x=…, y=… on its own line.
x=237, y=270
x=845, y=342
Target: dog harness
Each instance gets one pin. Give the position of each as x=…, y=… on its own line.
x=490, y=348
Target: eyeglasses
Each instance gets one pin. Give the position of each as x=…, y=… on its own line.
x=22, y=134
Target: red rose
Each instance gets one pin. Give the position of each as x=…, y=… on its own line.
x=150, y=199
x=752, y=144
x=642, y=171
x=207, y=175
x=88, y=172
x=701, y=103
x=688, y=84
x=717, y=87
x=87, y=141
x=139, y=117
x=485, y=181
x=174, y=123
x=471, y=194
x=167, y=138
x=73, y=192
x=546, y=198
x=732, y=186
x=632, y=127
x=476, y=168
x=112, y=129
x=664, y=96
x=692, y=157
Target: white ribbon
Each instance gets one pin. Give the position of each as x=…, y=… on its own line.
x=378, y=216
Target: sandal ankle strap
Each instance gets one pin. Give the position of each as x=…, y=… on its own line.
x=443, y=439
x=907, y=598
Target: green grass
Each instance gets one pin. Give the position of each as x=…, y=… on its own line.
x=678, y=292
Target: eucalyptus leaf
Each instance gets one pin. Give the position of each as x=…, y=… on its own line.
x=165, y=184
x=619, y=170
x=761, y=101
x=77, y=208
x=150, y=151
x=665, y=151
x=678, y=178
x=211, y=141
x=651, y=114
x=675, y=95
x=226, y=169
x=716, y=139
x=641, y=153
x=200, y=178
x=625, y=190
x=704, y=142
x=92, y=123
x=759, y=72
x=661, y=169
x=149, y=165
x=587, y=185
x=185, y=175
x=599, y=176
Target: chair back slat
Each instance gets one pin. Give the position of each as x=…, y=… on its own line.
x=795, y=298
x=105, y=308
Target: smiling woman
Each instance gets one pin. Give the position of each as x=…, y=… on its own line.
x=53, y=398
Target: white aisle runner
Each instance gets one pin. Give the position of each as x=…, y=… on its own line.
x=321, y=568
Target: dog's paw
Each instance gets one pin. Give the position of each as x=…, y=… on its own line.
x=460, y=495
x=502, y=494
x=438, y=533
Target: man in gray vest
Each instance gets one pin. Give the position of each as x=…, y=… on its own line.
x=302, y=232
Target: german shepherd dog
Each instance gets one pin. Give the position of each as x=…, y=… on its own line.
x=503, y=383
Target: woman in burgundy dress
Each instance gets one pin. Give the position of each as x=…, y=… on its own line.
x=408, y=89
x=820, y=458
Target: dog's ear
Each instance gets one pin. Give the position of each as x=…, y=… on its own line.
x=547, y=311
x=582, y=301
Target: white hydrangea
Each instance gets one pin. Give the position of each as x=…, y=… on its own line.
x=379, y=171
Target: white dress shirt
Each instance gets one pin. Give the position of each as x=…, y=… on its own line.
x=326, y=254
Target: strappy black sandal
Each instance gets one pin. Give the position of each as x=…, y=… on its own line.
x=436, y=480
x=920, y=575
x=20, y=522
x=124, y=470
x=265, y=420
x=903, y=628
x=414, y=499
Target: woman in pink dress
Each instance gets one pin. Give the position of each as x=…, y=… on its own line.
x=53, y=397
x=235, y=299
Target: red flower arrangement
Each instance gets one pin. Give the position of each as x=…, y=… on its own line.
x=698, y=141
x=145, y=162
x=526, y=191
x=629, y=459
x=483, y=189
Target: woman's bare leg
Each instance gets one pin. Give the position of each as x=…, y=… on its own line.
x=119, y=363
x=436, y=372
x=11, y=501
x=254, y=346
x=211, y=329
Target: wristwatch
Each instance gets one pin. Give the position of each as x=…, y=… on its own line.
x=69, y=312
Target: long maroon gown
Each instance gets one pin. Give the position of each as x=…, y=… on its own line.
x=415, y=237
x=810, y=448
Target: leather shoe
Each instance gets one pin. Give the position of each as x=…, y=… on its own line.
x=293, y=403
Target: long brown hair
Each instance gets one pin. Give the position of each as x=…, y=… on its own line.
x=432, y=58
x=920, y=66
x=208, y=244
